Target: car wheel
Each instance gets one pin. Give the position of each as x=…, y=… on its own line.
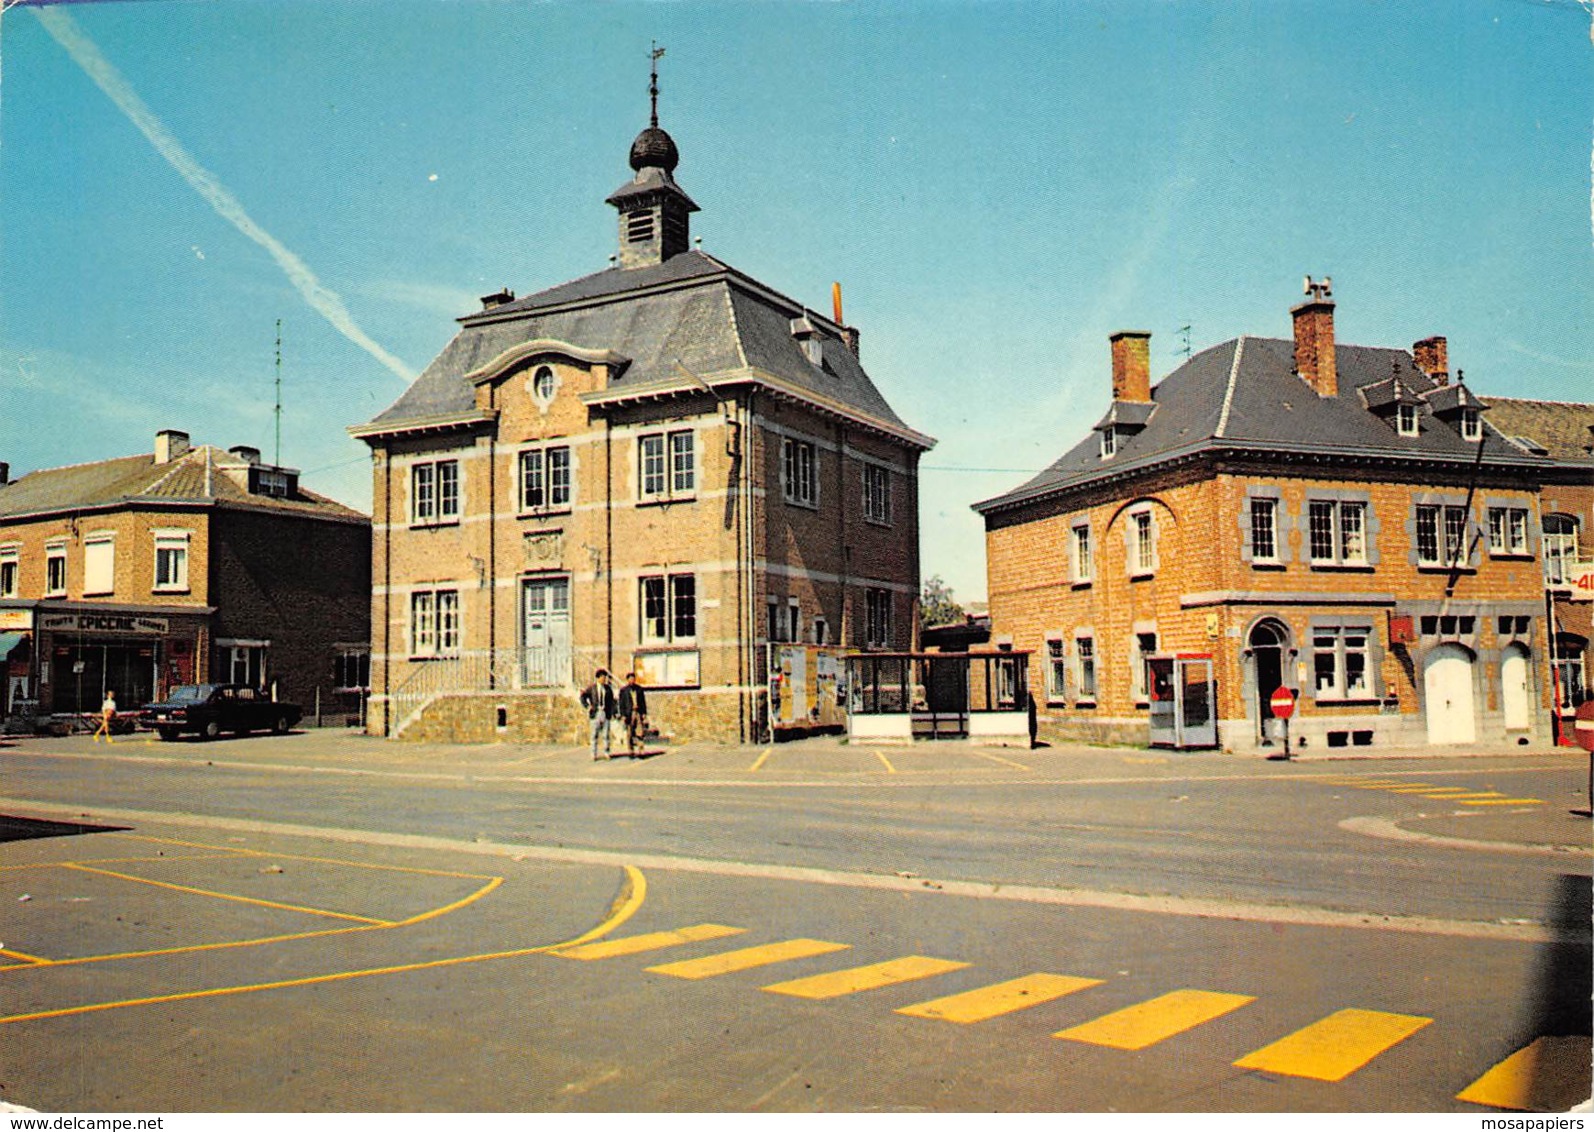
x=168, y=734
x=280, y=725
x=212, y=729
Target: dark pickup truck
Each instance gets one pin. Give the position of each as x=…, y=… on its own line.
x=210, y=709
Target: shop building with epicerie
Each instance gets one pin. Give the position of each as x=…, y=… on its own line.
x=1342, y=521
x=188, y=564
x=661, y=468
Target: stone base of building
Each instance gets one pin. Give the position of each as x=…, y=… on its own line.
x=1093, y=732
x=705, y=715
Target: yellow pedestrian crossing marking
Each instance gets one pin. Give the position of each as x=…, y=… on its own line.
x=1466, y=795
x=653, y=941
x=855, y=979
x=748, y=957
x=1550, y=1075
x=1335, y=1047
x=1147, y=1023
x=1002, y=998
x=1504, y=802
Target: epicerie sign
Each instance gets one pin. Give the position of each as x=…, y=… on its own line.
x=102, y=623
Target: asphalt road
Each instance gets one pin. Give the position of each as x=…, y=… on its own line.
x=327, y=923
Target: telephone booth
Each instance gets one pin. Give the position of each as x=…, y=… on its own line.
x=1183, y=701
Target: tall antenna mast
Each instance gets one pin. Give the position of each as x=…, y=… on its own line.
x=1184, y=347
x=277, y=458
x=653, y=86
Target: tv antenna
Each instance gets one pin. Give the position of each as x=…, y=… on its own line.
x=1184, y=345
x=277, y=412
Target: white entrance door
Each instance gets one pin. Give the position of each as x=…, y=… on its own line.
x=1514, y=702
x=1447, y=688
x=545, y=632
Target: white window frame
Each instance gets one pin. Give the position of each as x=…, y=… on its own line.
x=99, y=563
x=1471, y=424
x=172, y=547
x=1142, y=536
x=540, y=463
x=1347, y=537
x=877, y=494
x=1109, y=443
x=435, y=490
x=1142, y=647
x=10, y=569
x=667, y=609
x=1560, y=546
x=1056, y=670
x=434, y=623
x=1447, y=554
x=1406, y=420
x=55, y=573
x=1085, y=661
x=1082, y=565
x=1347, y=651
x=540, y=395
x=800, y=472
x=667, y=465
x=1264, y=516
x=1508, y=531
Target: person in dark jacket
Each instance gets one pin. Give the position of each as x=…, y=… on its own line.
x=634, y=710
x=598, y=698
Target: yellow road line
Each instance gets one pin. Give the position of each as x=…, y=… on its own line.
x=652, y=941
x=1335, y=1047
x=1001, y=998
x=887, y=762
x=1445, y=791
x=1000, y=759
x=624, y=906
x=1147, y=1023
x=747, y=958
x=301, y=857
x=197, y=947
x=27, y=960
x=1549, y=1075
x=116, y=861
x=1502, y=802
x=855, y=979
x=1474, y=796
x=454, y=907
x=1419, y=788
x=770, y=750
x=226, y=895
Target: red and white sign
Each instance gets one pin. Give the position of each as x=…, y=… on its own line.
x=1580, y=577
x=1282, y=702
x=1583, y=727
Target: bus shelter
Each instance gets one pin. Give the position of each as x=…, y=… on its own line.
x=1183, y=699
x=903, y=696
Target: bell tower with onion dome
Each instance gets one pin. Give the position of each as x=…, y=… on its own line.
x=655, y=214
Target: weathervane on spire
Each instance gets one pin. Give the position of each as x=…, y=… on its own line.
x=653, y=87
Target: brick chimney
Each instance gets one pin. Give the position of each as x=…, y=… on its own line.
x=5, y=473
x=1433, y=358
x=1314, y=339
x=1131, y=365
x=170, y=443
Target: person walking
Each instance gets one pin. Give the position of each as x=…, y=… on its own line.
x=598, y=698
x=107, y=714
x=634, y=711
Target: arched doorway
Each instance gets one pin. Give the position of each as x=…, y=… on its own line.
x=1516, y=705
x=1447, y=695
x=1266, y=643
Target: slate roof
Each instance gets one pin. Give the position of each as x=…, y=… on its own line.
x=690, y=317
x=1244, y=396
x=1564, y=430
x=194, y=477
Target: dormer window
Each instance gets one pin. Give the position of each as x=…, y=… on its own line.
x=1109, y=443
x=1471, y=425
x=809, y=338
x=1406, y=420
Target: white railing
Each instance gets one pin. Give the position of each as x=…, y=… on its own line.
x=444, y=675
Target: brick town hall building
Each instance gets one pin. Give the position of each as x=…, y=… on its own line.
x=1341, y=520
x=661, y=467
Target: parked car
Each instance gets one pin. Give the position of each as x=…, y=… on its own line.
x=210, y=709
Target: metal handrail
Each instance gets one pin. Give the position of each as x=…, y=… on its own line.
x=475, y=671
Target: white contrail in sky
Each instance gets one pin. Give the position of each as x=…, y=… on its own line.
x=87, y=56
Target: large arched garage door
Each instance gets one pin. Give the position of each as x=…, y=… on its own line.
x=1447, y=695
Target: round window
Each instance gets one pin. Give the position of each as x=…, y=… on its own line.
x=543, y=383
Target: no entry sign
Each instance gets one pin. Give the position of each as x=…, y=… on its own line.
x=1583, y=726
x=1282, y=702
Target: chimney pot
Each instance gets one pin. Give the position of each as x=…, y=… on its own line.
x=497, y=299
x=170, y=443
x=5, y=473
x=1131, y=365
x=1433, y=358
x=1314, y=341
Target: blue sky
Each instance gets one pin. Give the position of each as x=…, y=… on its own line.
x=997, y=186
